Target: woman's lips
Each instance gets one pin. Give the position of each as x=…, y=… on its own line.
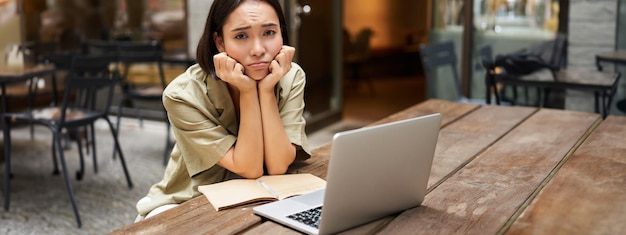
x=258, y=65
x=258, y=70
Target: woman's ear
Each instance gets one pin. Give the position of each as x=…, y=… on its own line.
x=219, y=42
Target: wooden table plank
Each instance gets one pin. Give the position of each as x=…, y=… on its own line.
x=464, y=139
x=450, y=111
x=270, y=227
x=588, y=194
x=196, y=216
x=486, y=193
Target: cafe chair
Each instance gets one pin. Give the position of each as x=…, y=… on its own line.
x=621, y=105
x=62, y=62
x=485, y=54
x=87, y=98
x=133, y=92
x=100, y=47
x=103, y=48
x=549, y=56
x=35, y=52
x=441, y=55
x=356, y=55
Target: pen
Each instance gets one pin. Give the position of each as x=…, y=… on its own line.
x=267, y=187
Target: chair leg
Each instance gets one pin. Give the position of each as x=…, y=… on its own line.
x=68, y=184
x=526, y=96
x=117, y=123
x=6, y=131
x=81, y=172
x=514, y=88
x=87, y=144
x=93, y=148
x=55, y=171
x=137, y=113
x=119, y=151
x=32, y=130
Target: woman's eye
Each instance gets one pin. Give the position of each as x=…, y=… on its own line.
x=269, y=33
x=240, y=36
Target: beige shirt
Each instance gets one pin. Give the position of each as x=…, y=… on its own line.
x=205, y=126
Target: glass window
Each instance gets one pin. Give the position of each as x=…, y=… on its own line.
x=504, y=25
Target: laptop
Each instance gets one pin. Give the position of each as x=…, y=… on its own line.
x=373, y=172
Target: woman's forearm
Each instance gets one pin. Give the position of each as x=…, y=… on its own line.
x=279, y=151
x=247, y=154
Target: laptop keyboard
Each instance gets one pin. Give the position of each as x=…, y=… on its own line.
x=309, y=217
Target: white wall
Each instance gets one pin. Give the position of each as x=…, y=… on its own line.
x=197, y=12
x=9, y=26
x=592, y=30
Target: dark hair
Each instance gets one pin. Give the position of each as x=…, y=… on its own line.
x=220, y=10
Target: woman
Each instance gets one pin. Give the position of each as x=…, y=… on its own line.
x=238, y=112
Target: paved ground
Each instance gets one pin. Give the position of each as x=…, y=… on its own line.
x=39, y=200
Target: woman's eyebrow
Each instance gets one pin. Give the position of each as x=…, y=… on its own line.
x=241, y=28
x=248, y=27
x=269, y=25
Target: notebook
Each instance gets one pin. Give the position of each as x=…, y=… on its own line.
x=373, y=172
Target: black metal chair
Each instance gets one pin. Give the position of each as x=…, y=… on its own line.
x=36, y=52
x=89, y=82
x=356, y=54
x=131, y=53
x=148, y=52
x=100, y=47
x=550, y=53
x=438, y=55
x=621, y=105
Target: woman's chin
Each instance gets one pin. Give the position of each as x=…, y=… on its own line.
x=257, y=76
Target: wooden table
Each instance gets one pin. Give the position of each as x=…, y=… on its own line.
x=497, y=169
x=615, y=57
x=16, y=74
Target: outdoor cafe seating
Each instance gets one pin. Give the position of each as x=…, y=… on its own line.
x=89, y=82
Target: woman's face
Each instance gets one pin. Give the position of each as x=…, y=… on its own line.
x=251, y=36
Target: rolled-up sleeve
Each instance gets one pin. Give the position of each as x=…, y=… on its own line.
x=291, y=105
x=200, y=134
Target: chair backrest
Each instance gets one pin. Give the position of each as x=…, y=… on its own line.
x=485, y=54
x=100, y=47
x=35, y=51
x=552, y=51
x=437, y=55
x=61, y=61
x=90, y=84
x=559, y=50
x=361, y=44
x=141, y=52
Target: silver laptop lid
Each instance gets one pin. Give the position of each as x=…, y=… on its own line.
x=378, y=170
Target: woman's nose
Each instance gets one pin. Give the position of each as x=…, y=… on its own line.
x=257, y=48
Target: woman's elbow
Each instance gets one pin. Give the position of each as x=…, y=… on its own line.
x=252, y=174
x=278, y=170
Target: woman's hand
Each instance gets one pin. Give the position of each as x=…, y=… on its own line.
x=230, y=71
x=278, y=68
